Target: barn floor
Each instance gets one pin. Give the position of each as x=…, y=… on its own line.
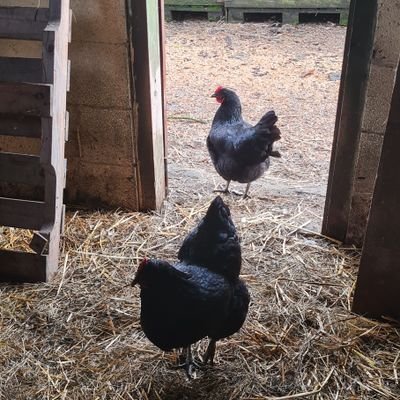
x=79, y=336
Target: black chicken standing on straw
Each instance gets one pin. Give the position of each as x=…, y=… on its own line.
x=239, y=151
x=199, y=296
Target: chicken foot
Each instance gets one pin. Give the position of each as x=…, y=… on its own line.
x=210, y=352
x=189, y=365
x=226, y=190
x=245, y=194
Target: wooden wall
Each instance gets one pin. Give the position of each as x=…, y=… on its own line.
x=368, y=76
x=106, y=167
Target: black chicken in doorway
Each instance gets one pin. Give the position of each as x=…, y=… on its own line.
x=239, y=151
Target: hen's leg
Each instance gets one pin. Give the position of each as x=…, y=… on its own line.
x=189, y=364
x=210, y=352
x=226, y=190
x=245, y=195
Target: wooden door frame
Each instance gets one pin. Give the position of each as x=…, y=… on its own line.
x=352, y=95
x=147, y=69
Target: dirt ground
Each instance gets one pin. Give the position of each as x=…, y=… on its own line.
x=293, y=70
x=79, y=336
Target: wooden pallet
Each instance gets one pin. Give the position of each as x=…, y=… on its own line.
x=289, y=10
x=213, y=8
x=33, y=105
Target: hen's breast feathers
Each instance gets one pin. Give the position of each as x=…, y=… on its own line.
x=186, y=307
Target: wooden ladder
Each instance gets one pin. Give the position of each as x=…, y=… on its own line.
x=33, y=105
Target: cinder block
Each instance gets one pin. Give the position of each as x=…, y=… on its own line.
x=101, y=21
x=100, y=136
x=359, y=212
x=387, y=45
x=101, y=186
x=379, y=96
x=368, y=162
x=99, y=75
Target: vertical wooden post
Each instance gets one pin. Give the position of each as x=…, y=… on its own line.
x=144, y=35
x=377, y=291
x=163, y=62
x=355, y=72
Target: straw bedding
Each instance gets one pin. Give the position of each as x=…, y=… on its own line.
x=79, y=336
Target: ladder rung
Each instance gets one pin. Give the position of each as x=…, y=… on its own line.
x=20, y=125
x=27, y=23
x=14, y=69
x=21, y=168
x=25, y=98
x=16, y=266
x=22, y=213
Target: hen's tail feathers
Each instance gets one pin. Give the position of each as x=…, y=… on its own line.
x=266, y=127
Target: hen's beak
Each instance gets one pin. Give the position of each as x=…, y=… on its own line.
x=213, y=95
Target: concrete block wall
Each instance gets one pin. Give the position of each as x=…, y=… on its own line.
x=101, y=153
x=101, y=150
x=379, y=93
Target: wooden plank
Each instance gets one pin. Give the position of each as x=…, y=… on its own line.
x=355, y=73
x=24, y=98
x=214, y=12
x=163, y=63
x=17, y=267
x=55, y=7
x=192, y=2
x=26, y=23
x=21, y=168
x=286, y=3
x=20, y=125
x=22, y=213
x=377, y=291
x=55, y=174
x=48, y=55
x=146, y=75
x=13, y=69
x=289, y=15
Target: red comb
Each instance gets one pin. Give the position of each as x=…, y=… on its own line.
x=218, y=89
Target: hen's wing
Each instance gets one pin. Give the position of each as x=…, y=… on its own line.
x=178, y=303
x=236, y=314
x=254, y=144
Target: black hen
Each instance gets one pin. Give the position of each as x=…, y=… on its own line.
x=199, y=296
x=239, y=151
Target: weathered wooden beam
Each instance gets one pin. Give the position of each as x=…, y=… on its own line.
x=146, y=75
x=281, y=3
x=377, y=291
x=27, y=23
x=20, y=125
x=15, y=69
x=22, y=213
x=17, y=267
x=21, y=168
x=355, y=72
x=25, y=98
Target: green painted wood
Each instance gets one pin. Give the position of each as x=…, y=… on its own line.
x=207, y=9
x=193, y=2
x=289, y=15
x=287, y=3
